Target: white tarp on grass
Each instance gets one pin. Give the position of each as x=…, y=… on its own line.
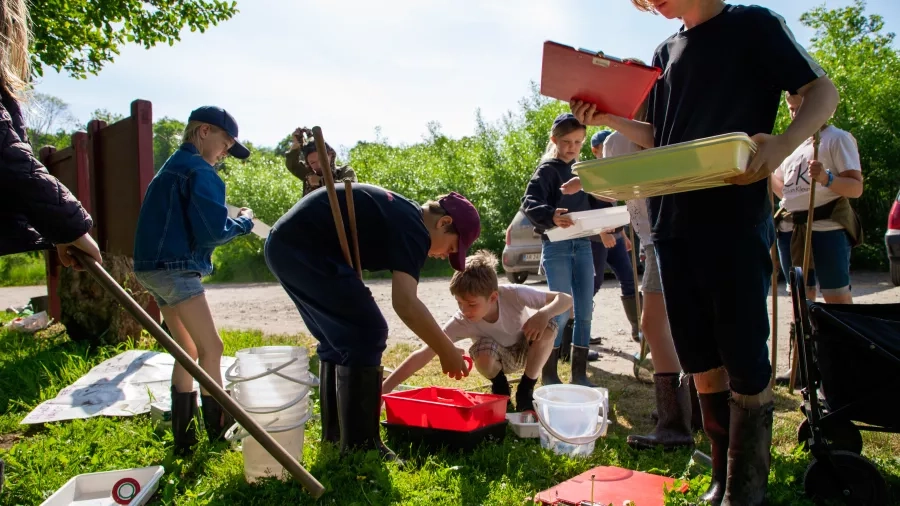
x=124, y=385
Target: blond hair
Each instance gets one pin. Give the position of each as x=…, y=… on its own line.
x=479, y=277
x=191, y=133
x=561, y=130
x=644, y=5
x=15, y=63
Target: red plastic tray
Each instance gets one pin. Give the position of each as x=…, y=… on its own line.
x=612, y=485
x=445, y=408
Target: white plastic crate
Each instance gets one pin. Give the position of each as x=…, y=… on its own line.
x=98, y=489
x=588, y=223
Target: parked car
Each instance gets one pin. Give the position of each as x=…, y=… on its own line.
x=892, y=241
x=522, y=253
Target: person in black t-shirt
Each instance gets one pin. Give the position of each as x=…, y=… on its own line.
x=394, y=234
x=724, y=71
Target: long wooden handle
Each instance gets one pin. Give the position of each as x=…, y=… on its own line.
x=351, y=210
x=102, y=277
x=807, y=253
x=774, y=254
x=322, y=150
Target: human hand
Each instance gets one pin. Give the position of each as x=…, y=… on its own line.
x=771, y=150
x=453, y=364
x=535, y=326
x=587, y=114
x=314, y=180
x=817, y=172
x=571, y=186
x=561, y=220
x=86, y=244
x=628, y=244
x=246, y=211
x=608, y=240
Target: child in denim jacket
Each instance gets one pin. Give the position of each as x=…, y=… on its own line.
x=182, y=220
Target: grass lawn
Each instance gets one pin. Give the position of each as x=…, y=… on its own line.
x=40, y=459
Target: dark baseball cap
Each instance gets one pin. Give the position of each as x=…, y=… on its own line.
x=566, y=116
x=467, y=224
x=218, y=117
x=599, y=137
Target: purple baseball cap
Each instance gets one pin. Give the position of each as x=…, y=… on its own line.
x=467, y=224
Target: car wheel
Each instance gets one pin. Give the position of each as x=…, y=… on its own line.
x=895, y=272
x=517, y=277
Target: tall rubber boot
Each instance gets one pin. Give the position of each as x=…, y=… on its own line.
x=549, y=374
x=696, y=415
x=579, y=367
x=184, y=421
x=749, y=455
x=216, y=420
x=629, y=303
x=565, y=348
x=674, y=404
x=328, y=404
x=359, y=409
x=716, y=424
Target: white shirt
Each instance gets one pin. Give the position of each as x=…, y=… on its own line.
x=618, y=145
x=838, y=153
x=514, y=302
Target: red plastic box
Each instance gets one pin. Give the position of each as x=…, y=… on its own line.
x=445, y=408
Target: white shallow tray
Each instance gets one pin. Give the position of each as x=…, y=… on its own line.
x=96, y=489
x=588, y=223
x=524, y=425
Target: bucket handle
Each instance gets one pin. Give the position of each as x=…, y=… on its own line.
x=313, y=380
x=269, y=411
x=581, y=440
x=237, y=433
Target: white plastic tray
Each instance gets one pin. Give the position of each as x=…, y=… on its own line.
x=96, y=489
x=588, y=223
x=524, y=425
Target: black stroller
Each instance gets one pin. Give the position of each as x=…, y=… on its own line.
x=850, y=368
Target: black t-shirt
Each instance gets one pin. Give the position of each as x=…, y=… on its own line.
x=392, y=233
x=725, y=75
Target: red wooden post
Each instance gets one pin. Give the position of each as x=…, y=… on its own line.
x=142, y=114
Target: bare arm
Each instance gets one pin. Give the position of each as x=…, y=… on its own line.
x=638, y=132
x=557, y=304
x=413, y=364
x=849, y=184
x=778, y=184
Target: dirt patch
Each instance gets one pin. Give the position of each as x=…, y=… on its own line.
x=8, y=440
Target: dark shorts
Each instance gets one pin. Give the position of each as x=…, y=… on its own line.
x=717, y=304
x=336, y=306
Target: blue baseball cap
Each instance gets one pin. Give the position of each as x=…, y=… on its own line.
x=218, y=117
x=599, y=137
x=566, y=116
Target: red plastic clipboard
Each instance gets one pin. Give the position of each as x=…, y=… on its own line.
x=614, y=86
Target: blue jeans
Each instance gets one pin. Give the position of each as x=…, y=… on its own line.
x=569, y=267
x=830, y=259
x=619, y=260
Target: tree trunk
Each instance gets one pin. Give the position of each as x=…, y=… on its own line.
x=89, y=313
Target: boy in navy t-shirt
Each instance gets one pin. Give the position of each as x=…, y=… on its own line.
x=724, y=71
x=394, y=234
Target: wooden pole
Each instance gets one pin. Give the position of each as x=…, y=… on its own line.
x=351, y=210
x=332, y=195
x=774, y=253
x=102, y=277
x=807, y=253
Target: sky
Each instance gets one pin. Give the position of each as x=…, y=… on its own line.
x=355, y=67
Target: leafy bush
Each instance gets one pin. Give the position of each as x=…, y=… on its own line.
x=23, y=269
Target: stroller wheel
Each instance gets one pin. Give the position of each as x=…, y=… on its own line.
x=840, y=435
x=848, y=478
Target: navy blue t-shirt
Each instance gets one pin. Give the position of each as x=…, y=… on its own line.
x=392, y=233
x=725, y=75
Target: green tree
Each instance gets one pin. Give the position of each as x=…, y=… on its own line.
x=106, y=115
x=81, y=36
x=167, y=133
x=49, y=121
x=864, y=64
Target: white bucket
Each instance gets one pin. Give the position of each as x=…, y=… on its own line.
x=568, y=416
x=272, y=384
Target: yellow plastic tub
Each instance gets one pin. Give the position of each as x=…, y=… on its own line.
x=686, y=166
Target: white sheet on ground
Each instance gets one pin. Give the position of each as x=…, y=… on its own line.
x=124, y=385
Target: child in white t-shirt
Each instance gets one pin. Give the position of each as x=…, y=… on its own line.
x=507, y=337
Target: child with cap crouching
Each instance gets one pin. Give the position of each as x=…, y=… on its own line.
x=182, y=220
x=394, y=234
x=507, y=336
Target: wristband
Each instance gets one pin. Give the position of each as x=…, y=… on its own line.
x=830, y=178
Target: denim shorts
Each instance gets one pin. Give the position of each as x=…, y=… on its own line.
x=171, y=288
x=830, y=258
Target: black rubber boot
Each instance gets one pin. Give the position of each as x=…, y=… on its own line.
x=328, y=406
x=359, y=409
x=184, y=421
x=716, y=424
x=696, y=415
x=674, y=404
x=525, y=394
x=629, y=303
x=579, y=367
x=749, y=455
x=549, y=375
x=565, y=348
x=216, y=420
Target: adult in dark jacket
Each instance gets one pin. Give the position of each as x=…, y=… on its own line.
x=39, y=212
x=568, y=264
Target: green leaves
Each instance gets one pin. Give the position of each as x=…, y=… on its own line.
x=81, y=36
